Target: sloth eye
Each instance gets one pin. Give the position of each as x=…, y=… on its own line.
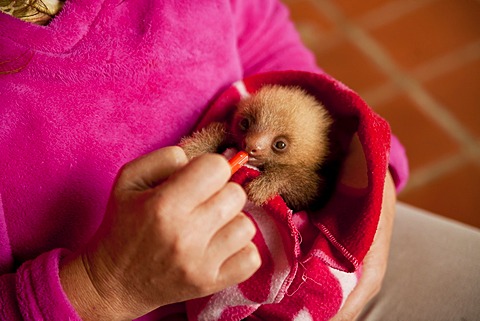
x=244, y=124
x=280, y=145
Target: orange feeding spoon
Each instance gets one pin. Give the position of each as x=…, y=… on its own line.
x=237, y=161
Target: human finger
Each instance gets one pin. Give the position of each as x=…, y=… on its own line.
x=222, y=207
x=196, y=182
x=367, y=287
x=231, y=238
x=240, y=266
x=149, y=170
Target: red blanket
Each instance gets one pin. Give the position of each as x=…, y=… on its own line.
x=310, y=261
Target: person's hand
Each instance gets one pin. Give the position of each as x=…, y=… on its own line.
x=375, y=262
x=173, y=231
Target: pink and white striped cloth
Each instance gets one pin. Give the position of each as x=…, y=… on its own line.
x=288, y=285
x=311, y=261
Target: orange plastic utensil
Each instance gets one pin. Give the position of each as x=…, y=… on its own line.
x=237, y=161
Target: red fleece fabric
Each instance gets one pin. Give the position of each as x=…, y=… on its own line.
x=310, y=260
x=349, y=220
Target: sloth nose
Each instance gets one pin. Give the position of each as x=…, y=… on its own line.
x=255, y=146
x=253, y=150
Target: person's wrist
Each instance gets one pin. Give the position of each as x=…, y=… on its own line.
x=89, y=298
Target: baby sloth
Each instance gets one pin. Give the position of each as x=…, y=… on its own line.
x=284, y=131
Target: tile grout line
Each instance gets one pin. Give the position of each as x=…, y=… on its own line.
x=414, y=90
x=474, y=153
x=448, y=62
x=380, y=94
x=389, y=12
x=328, y=40
x=426, y=72
x=428, y=173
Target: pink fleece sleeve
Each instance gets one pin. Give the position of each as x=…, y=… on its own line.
x=268, y=41
x=267, y=38
x=34, y=291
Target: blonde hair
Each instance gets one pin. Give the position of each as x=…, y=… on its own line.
x=34, y=11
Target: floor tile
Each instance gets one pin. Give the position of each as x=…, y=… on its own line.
x=414, y=34
x=431, y=31
x=312, y=25
x=459, y=91
x=355, y=8
x=351, y=66
x=424, y=141
x=306, y=11
x=455, y=195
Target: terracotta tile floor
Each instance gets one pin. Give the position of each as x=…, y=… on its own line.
x=417, y=63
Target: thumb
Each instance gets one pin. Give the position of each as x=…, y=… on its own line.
x=149, y=170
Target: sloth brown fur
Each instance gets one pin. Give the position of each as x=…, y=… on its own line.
x=284, y=130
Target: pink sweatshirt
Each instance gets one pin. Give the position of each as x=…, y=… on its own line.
x=105, y=82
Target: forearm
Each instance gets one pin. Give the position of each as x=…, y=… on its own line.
x=375, y=262
x=378, y=253
x=388, y=205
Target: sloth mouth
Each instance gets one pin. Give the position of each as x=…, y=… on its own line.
x=257, y=162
